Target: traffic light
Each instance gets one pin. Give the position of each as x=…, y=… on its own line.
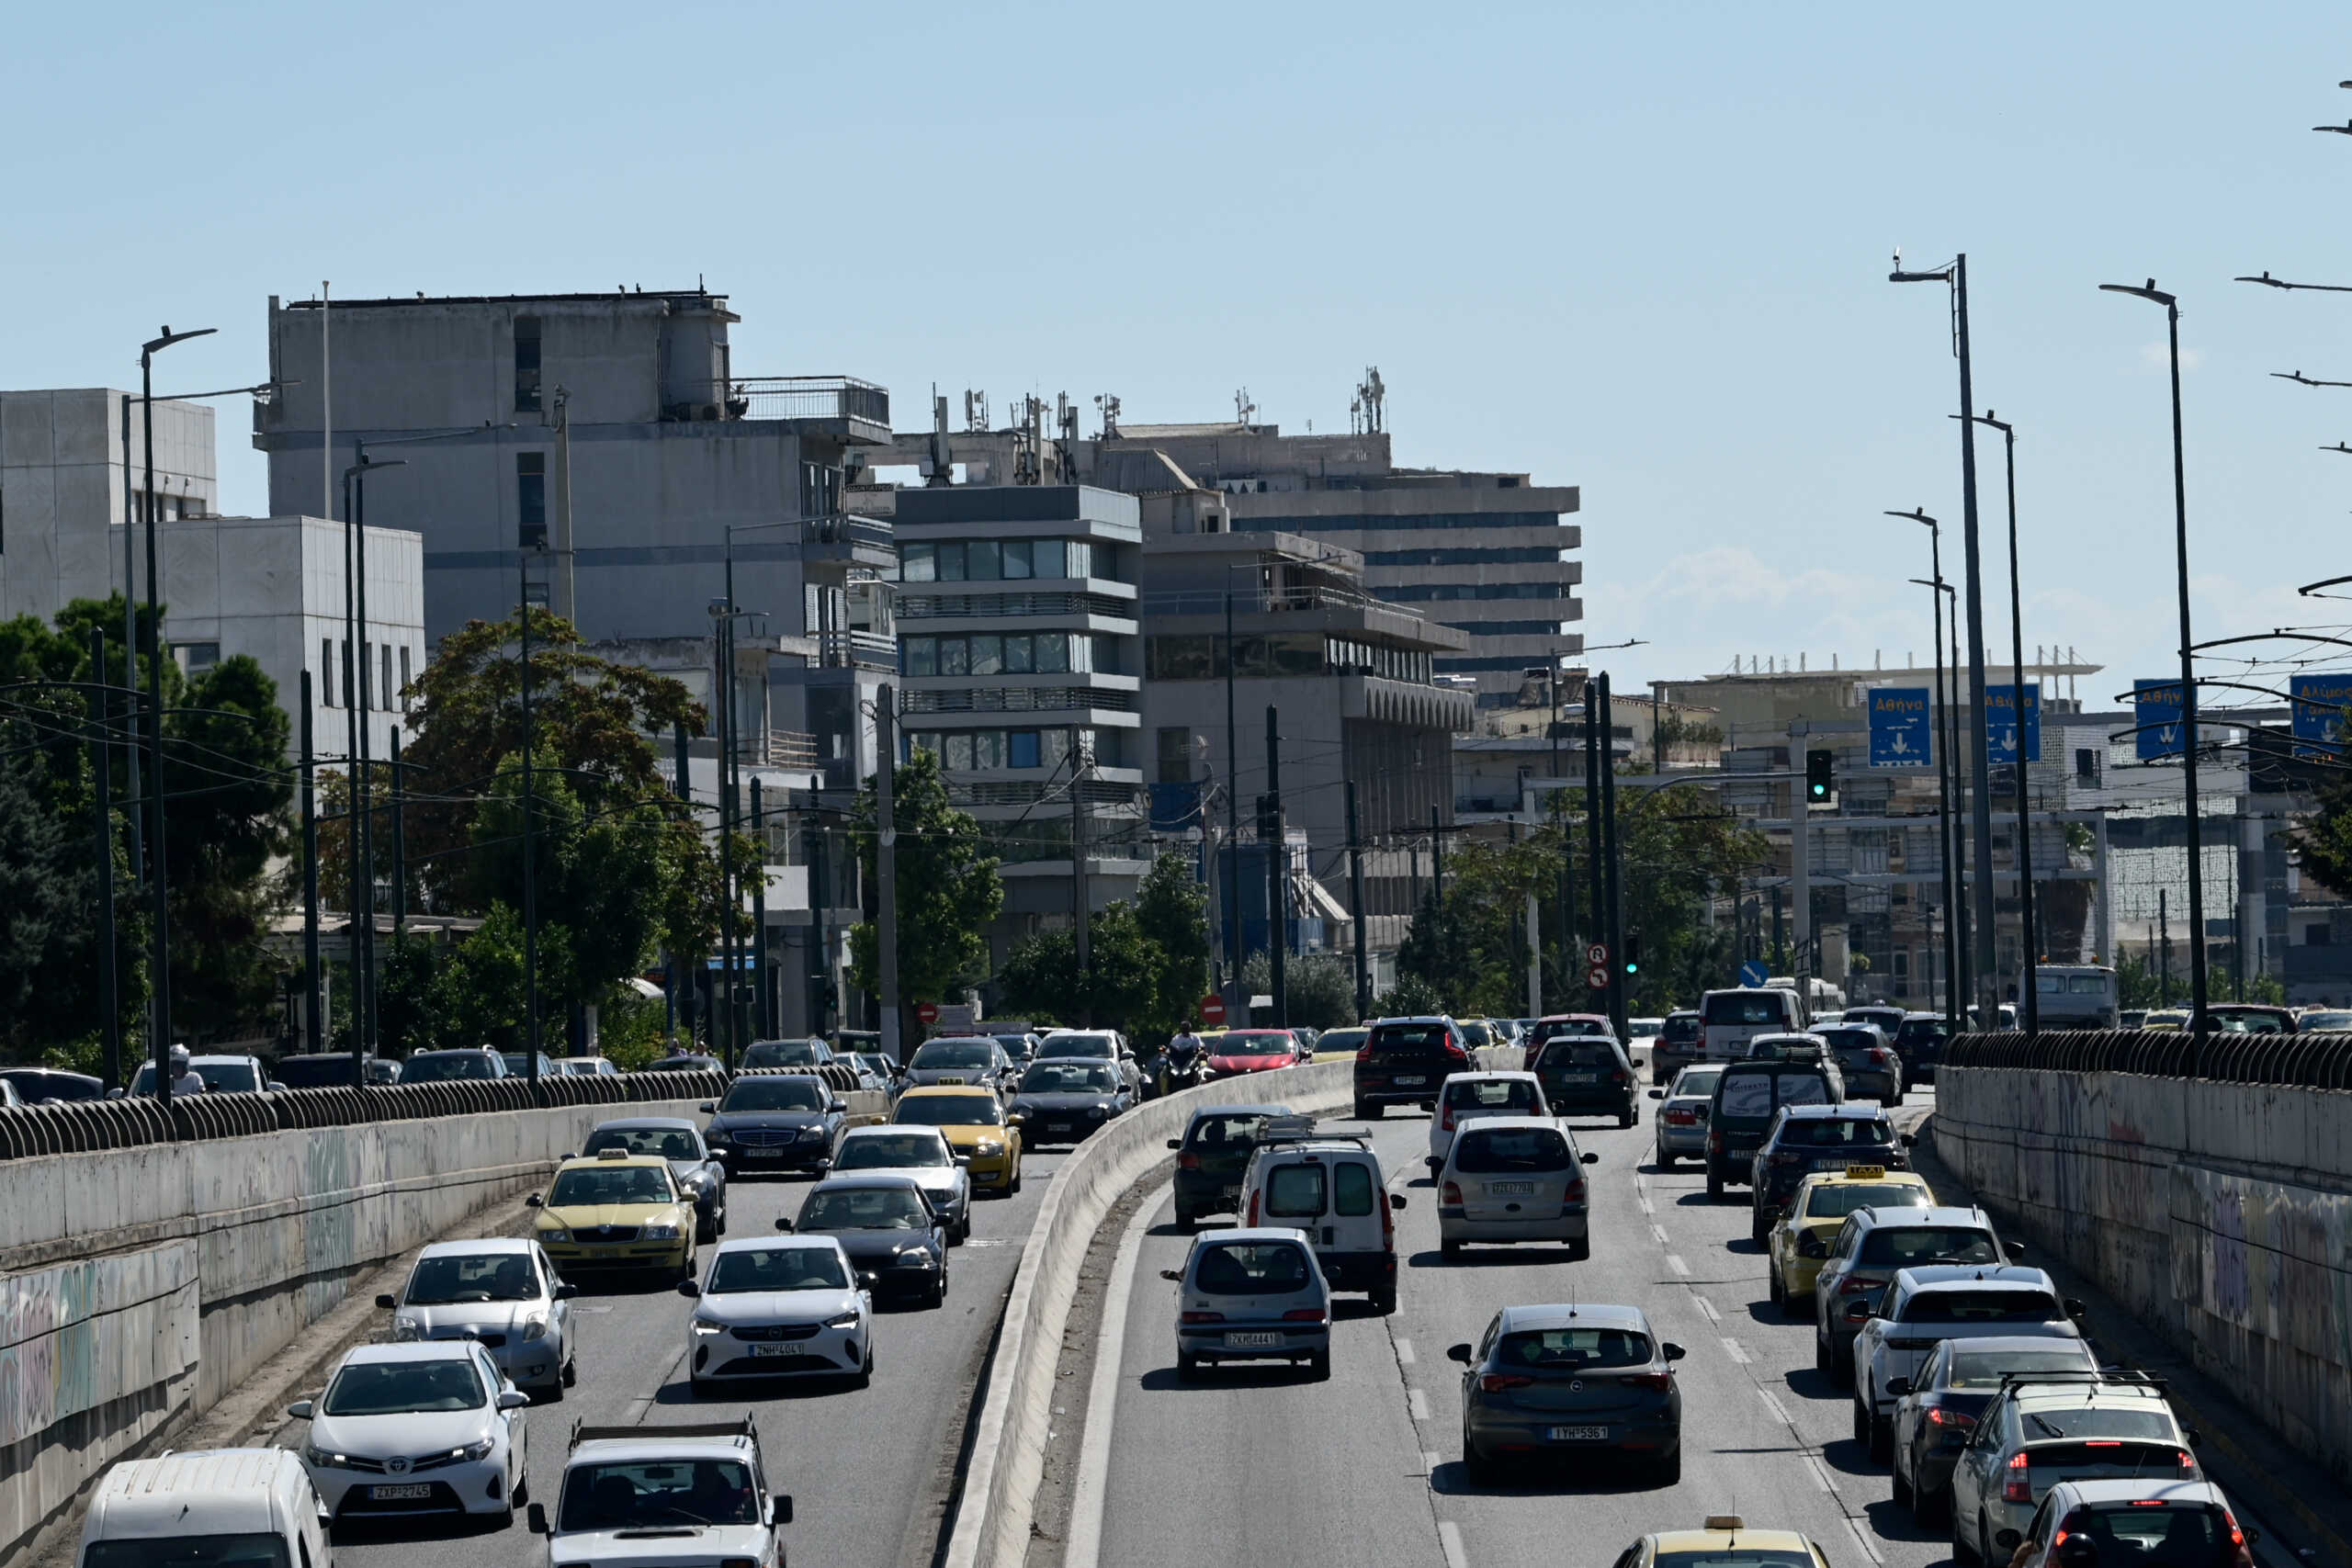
x=1633, y=954
x=1820, y=777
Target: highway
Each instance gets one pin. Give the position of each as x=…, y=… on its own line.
x=864, y=1467
x=1260, y=1465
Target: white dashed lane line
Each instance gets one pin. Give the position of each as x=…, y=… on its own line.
x=1674, y=1261
x=1733, y=1348
x=1417, y=1403
x=1404, y=1352
x=1449, y=1539
x=1707, y=1310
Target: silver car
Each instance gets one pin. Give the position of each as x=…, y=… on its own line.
x=920, y=1151
x=1511, y=1178
x=1682, y=1121
x=501, y=1291
x=1252, y=1295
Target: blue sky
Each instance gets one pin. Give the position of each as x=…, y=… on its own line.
x=1639, y=249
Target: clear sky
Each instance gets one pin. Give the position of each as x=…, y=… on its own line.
x=1640, y=249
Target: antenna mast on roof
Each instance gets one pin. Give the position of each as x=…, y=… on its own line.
x=1243, y=407
x=1371, y=397
x=1107, y=405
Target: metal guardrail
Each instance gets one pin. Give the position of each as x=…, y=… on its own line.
x=787, y=748
x=2301, y=1061
x=807, y=397
x=923, y=606
x=83, y=1126
x=1260, y=599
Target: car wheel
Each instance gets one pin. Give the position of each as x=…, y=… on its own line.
x=1665, y=1161
x=1366, y=1111
x=1188, y=1367
x=1580, y=1250
x=1773, y=1287
x=1760, y=1228
x=1475, y=1463
x=1627, y=1118
x=699, y=1387
x=1669, y=1470
x=1184, y=1219
x=1841, y=1362
x=1881, y=1439
x=1861, y=1420
x=570, y=1372
x=1905, y=1497
x=1319, y=1366
x=1449, y=1248
x=1012, y=1188
x=1893, y=1101
x=1383, y=1300
x=1929, y=1506
x=1715, y=1187
x=865, y=1371
x=1821, y=1359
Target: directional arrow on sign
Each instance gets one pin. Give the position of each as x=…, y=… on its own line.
x=1596, y=978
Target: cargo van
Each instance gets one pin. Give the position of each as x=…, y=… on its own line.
x=255, y=1508
x=1332, y=1189
x=1729, y=1020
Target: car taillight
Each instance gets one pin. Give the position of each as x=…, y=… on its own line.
x=1683, y=1118
x=1714, y=1141
x=1253, y=1208
x=1503, y=1382
x=1188, y=1161
x=1788, y=1160
x=1573, y=1191
x=1201, y=1317
x=1882, y=1056
x=1363, y=1052
x=1656, y=1383
x=1451, y=1195
x=1304, y=1314
x=1445, y=1121
x=1952, y=1418
x=2017, y=1487
x=1854, y=1286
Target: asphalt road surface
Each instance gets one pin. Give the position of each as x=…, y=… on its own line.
x=861, y=1465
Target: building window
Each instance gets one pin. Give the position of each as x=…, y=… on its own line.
x=1021, y=749
x=992, y=560
x=326, y=671
x=404, y=677
x=1175, y=756
x=195, y=658
x=531, y=499
x=526, y=365
x=820, y=490
x=349, y=698
x=387, y=691
x=2086, y=766
x=988, y=653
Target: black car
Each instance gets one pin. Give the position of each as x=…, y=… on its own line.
x=334, y=1069
x=775, y=1122
x=453, y=1067
x=46, y=1085
x=1063, y=1102
x=1586, y=1075
x=700, y=1173
x=1920, y=1043
x=896, y=1241
x=1807, y=1138
x=809, y=1053
x=1404, y=1060
x=1212, y=1157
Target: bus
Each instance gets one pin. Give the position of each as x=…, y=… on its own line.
x=2075, y=996
x=1818, y=994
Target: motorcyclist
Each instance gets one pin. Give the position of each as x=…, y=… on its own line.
x=184, y=1077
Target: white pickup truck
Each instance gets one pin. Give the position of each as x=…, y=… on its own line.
x=1923, y=1307
x=693, y=1497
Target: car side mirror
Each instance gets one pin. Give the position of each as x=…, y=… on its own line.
x=688, y=1288
x=1672, y=1352
x=2191, y=1435
x=1858, y=1312
x=2016, y=1248
x=1175, y=1143
x=707, y=1109
x=565, y=1290
x=535, y=1519
x=783, y=1509
x=1592, y=1158
x=1396, y=1200
x=534, y=1202
x=867, y=1280
x=1173, y=1275
x=783, y=1222
x=512, y=1399
x=1910, y=1140
x=387, y=1302
x=1657, y=1094
x=2008, y=1540
x=1898, y=1387
x=963, y=1159
x=1458, y=1353
x=1810, y=1246
x=300, y=1409
x=1016, y=1119
x=2076, y=1309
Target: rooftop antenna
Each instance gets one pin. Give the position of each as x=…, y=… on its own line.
x=1107, y=405
x=1243, y=407
x=1372, y=395
x=939, y=465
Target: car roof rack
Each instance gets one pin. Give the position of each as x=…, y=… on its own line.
x=1297, y=1129
x=2092, y=1378
x=584, y=1433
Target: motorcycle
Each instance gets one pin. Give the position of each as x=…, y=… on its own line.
x=1184, y=1062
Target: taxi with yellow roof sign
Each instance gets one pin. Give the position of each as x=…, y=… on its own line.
x=1800, y=1240
x=1724, y=1539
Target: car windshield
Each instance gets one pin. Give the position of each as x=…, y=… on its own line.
x=1982, y=1306
x=1755, y=1093
x=481, y=1277
x=1681, y=1029
x=1254, y=1042
x=1250, y=1268
x=1477, y=1035
x=785, y=1053
x=1746, y=1009
x=1835, y=1199
x=1223, y=1132
x=399, y=1388
x=1579, y=1348
x=259, y=1549
x=891, y=1151
x=1413, y=1037
x=1078, y=1045
x=950, y=1110
x=658, y=1493
x=1850, y=1039
x=220, y=1077
x=1834, y=1133
x=1985, y=1369
x=670, y=1143
x=864, y=1208
x=441, y=1066
x=1486, y=1150
x=2248, y=1022
x=1696, y=1083
x=1347, y=1040
x=2156, y=1532
x=956, y=1054
x=1906, y=1246
x=588, y=1187
x=1014, y=1045
x=1492, y=1094
x=774, y=1094
x=1067, y=1078
x=2328, y=1021
x=2097, y=1421
x=1580, y=1051
x=776, y=1268
x=1923, y=1031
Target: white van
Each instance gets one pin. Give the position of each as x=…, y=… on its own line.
x=1729, y=1020
x=253, y=1507
x=1331, y=1189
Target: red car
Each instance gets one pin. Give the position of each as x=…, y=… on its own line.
x=1238, y=1051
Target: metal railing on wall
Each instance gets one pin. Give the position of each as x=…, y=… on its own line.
x=2318, y=1060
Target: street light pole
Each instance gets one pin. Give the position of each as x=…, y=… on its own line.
x=2028, y=1002
x=1947, y=766
x=2196, y=1019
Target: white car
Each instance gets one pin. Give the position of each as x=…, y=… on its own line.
x=914, y=1150
x=1465, y=1097
x=786, y=1307
x=500, y=1292
x=408, y=1429
x=1923, y=1307
x=663, y=1492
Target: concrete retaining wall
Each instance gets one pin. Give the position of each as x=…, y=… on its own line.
x=138, y=1285
x=2219, y=1213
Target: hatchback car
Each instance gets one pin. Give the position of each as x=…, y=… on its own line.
x=1404, y=1060
x=1937, y=1409
x=1468, y=1096
x=922, y=1153
x=977, y=1127
x=502, y=1294
x=778, y=1306
x=2036, y=1436
x=1807, y=1138
x=1680, y=1120
x=1239, y=1051
x=1586, y=1075
x=1212, y=1155
x=1579, y=1379
x=2165, y=1523
x=1725, y=1540
x=1874, y=1245
x=1925, y=1307
x=587, y=1066
x=888, y=1228
x=1512, y=1178
x=1252, y=1294
x=1094, y=1045
x=957, y=1062
x=415, y=1429
x=796, y=1053
x=1811, y=1219
x=1920, y=1043
x=1869, y=1065
x=1677, y=1045
x=222, y=1074
x=776, y=1122
x=700, y=1173
x=1067, y=1102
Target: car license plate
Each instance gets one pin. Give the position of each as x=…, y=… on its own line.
x=1577, y=1434
x=771, y=1350
x=1253, y=1341
x=1580, y=1077
x=763, y=1154
x=957, y=1078
x=399, y=1493
x=1413, y=1080
x=1511, y=1190
x=1058, y=1126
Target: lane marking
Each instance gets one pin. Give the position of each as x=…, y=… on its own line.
x=1707, y=1309
x=1404, y=1352
x=1820, y=1476
x=1779, y=1410
x=1862, y=1539
x=1428, y=1462
x=1085, y=1545
x=1417, y=1403
x=1674, y=1261
x=1660, y=1232
x=1449, y=1540
x=1732, y=1348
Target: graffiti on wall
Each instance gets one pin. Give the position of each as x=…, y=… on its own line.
x=77, y=1335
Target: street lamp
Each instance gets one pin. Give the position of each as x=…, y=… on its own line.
x=160, y=1044
x=1955, y=275
x=2171, y=303
x=2029, y=1005
x=1947, y=767
x=358, y=704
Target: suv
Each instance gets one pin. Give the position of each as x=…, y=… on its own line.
x=1587, y=1074
x=1331, y=1189
x=1403, y=1062
x=1212, y=1157
x=1871, y=1246
x=704, y=1481
x=1937, y=1409
x=1747, y=1096
x=1807, y=1138
x=1923, y=1308
x=2038, y=1434
x=1675, y=1046
x=1920, y=1043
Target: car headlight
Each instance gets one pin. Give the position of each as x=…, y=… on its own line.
x=1097, y=1110
x=987, y=1148
x=554, y=1234
x=706, y=1326
x=849, y=1319
x=480, y=1450
x=659, y=1233
x=325, y=1459
x=916, y=1257
x=408, y=1328
x=694, y=1181
x=717, y=1137
x=808, y=1133
x=535, y=1328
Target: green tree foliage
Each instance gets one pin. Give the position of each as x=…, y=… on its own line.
x=1041, y=977
x=948, y=890
x=227, y=790
x=2323, y=841
x=1173, y=913
x=1320, y=987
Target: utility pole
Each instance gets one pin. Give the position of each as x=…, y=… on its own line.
x=886, y=861
x=102, y=771
x=1594, y=853
x=1616, y=914
x=763, y=1000
x=314, y=993
x=1355, y=898
x=400, y=844
x=530, y=855
x=1081, y=902
x=1277, y=872
x=565, y=604
x=1437, y=864
x=2164, y=947
x=725, y=1033
x=1534, y=960
x=682, y=984
x=1238, y=1004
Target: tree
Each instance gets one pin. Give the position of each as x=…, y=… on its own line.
x=1319, y=987
x=2323, y=841
x=1041, y=977
x=1173, y=914
x=948, y=887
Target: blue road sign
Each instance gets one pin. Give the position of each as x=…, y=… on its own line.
x=2001, y=723
x=1752, y=973
x=2157, y=704
x=2323, y=707
x=1900, y=734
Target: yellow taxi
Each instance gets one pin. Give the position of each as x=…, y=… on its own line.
x=1342, y=1045
x=977, y=1128
x=616, y=1210
x=1724, y=1539
x=1800, y=1239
